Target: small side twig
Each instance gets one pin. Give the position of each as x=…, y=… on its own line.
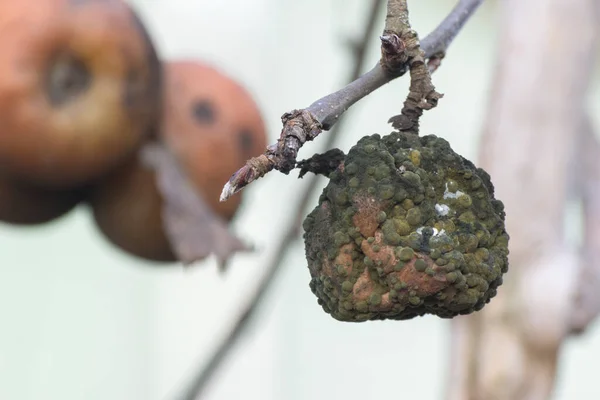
x=326, y=111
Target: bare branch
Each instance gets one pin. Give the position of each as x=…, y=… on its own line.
x=327, y=110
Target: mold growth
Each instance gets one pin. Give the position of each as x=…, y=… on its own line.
x=405, y=227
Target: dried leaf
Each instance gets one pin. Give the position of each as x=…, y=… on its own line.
x=193, y=229
x=321, y=164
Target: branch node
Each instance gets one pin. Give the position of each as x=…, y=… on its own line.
x=299, y=127
x=393, y=53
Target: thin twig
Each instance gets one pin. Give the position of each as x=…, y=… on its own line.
x=205, y=373
x=300, y=126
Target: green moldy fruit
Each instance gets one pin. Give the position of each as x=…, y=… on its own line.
x=388, y=251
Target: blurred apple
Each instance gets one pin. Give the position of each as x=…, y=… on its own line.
x=24, y=204
x=212, y=125
x=79, y=88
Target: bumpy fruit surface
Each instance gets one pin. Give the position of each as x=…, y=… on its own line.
x=79, y=88
x=405, y=227
x=24, y=204
x=213, y=126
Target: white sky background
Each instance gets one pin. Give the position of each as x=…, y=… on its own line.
x=81, y=320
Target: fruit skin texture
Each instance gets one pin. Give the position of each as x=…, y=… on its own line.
x=24, y=204
x=405, y=227
x=79, y=88
x=213, y=125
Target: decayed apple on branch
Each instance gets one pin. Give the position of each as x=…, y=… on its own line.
x=306, y=124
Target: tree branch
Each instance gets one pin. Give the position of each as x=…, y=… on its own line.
x=305, y=125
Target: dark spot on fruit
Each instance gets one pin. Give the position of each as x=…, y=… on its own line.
x=67, y=79
x=203, y=112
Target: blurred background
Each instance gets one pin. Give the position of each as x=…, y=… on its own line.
x=83, y=320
